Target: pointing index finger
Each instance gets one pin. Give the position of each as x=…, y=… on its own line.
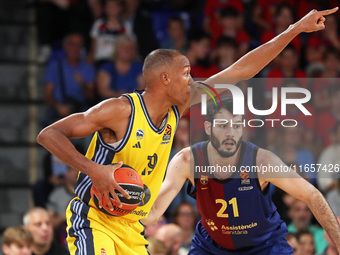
x=327, y=12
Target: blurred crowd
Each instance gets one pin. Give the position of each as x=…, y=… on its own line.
x=94, y=50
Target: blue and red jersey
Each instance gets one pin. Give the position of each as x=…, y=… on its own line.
x=235, y=212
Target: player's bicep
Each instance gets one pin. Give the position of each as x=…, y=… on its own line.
x=296, y=187
x=77, y=125
x=107, y=114
x=272, y=169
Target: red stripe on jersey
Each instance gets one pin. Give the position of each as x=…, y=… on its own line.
x=210, y=197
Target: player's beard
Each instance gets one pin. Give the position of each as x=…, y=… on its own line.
x=216, y=144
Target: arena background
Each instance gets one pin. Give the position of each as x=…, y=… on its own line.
x=22, y=73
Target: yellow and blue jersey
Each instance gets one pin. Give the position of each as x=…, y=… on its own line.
x=144, y=147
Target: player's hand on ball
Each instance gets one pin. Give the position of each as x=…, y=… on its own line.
x=314, y=20
x=103, y=180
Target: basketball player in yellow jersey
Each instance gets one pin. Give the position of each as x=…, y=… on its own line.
x=138, y=129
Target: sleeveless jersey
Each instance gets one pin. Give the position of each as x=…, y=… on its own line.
x=144, y=147
x=235, y=212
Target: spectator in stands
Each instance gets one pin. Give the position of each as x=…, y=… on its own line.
x=69, y=81
x=122, y=75
x=327, y=177
x=185, y=216
x=283, y=201
x=53, y=176
x=54, y=172
x=171, y=235
x=292, y=241
x=226, y=52
x=82, y=14
x=330, y=71
x=17, y=240
x=331, y=249
x=307, y=122
x=333, y=196
x=284, y=16
x=301, y=221
x=52, y=23
x=290, y=148
x=105, y=31
x=198, y=55
x=264, y=13
x=326, y=121
x=306, y=243
x=287, y=67
x=58, y=201
x=212, y=11
x=38, y=222
x=138, y=22
x=156, y=247
x=319, y=42
x=177, y=38
x=229, y=18
x=150, y=231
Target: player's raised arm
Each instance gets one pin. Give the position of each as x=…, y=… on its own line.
x=295, y=185
x=177, y=173
x=56, y=139
x=254, y=61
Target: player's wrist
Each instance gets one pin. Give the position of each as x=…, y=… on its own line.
x=295, y=29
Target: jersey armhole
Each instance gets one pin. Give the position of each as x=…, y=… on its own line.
x=128, y=131
x=267, y=188
x=256, y=177
x=177, y=115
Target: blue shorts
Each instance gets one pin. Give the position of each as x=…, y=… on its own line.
x=203, y=244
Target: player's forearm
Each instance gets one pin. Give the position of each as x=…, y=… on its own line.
x=59, y=145
x=253, y=62
x=325, y=216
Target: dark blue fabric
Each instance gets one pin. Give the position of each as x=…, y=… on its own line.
x=123, y=82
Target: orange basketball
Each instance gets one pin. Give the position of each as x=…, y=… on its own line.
x=132, y=183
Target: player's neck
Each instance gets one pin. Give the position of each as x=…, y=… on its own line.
x=157, y=107
x=41, y=249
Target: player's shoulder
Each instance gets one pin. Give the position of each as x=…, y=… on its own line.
x=113, y=108
x=265, y=157
x=184, y=155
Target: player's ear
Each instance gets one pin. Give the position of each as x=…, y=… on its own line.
x=165, y=78
x=5, y=248
x=207, y=127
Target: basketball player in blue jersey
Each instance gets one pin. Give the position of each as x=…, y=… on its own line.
x=237, y=213
x=138, y=129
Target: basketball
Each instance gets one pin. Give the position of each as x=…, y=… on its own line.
x=132, y=183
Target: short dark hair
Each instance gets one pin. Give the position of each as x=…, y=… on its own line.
x=159, y=57
x=285, y=6
x=288, y=47
x=198, y=35
x=212, y=109
x=290, y=81
x=331, y=51
x=229, y=12
x=176, y=19
x=301, y=233
x=226, y=41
